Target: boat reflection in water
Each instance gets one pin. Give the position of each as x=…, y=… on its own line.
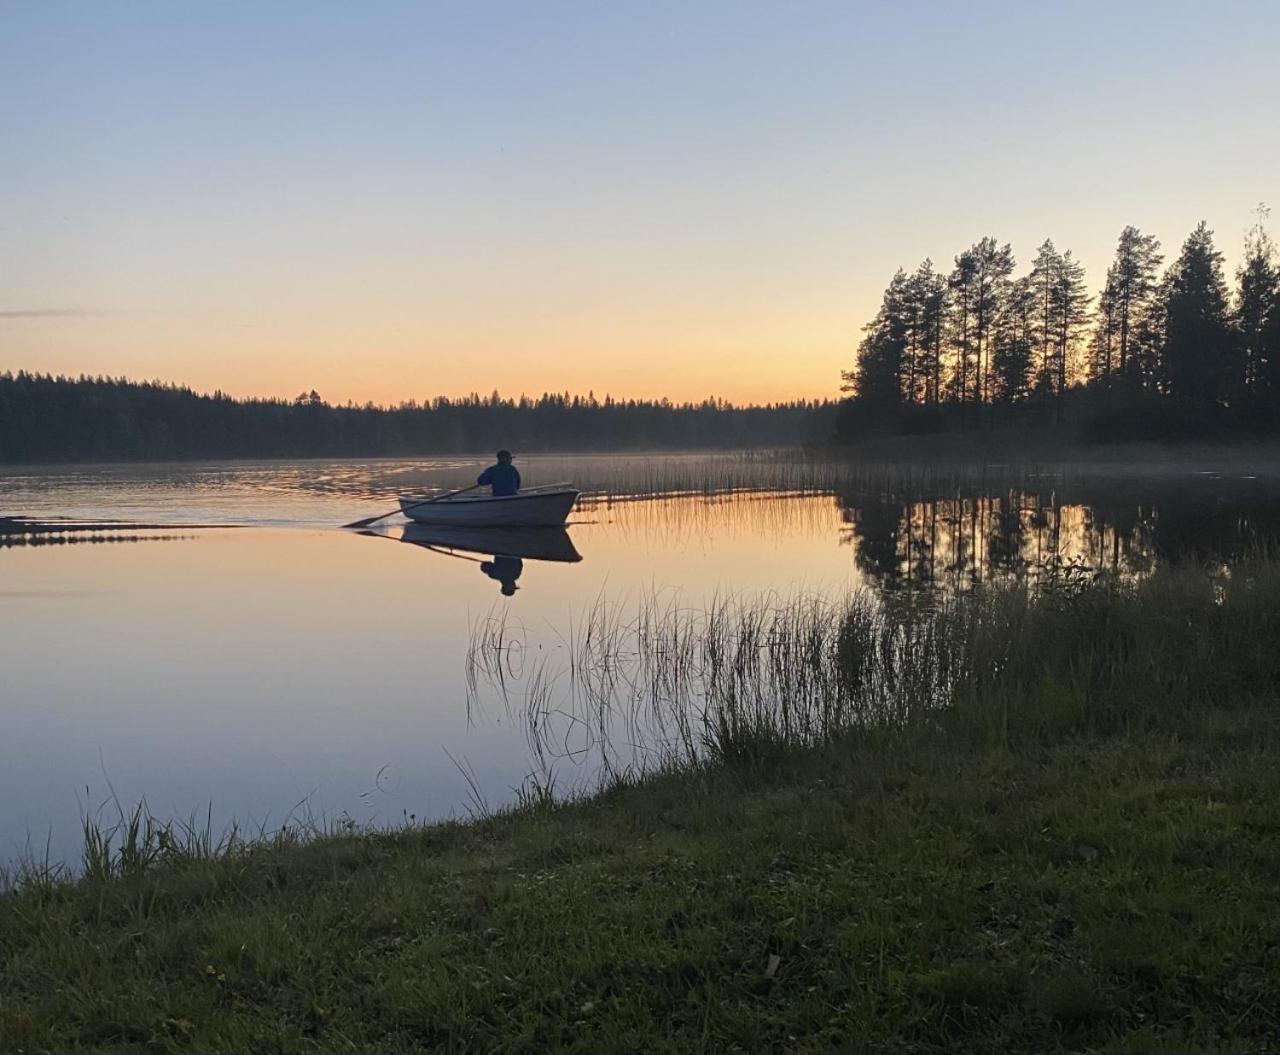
x=510, y=547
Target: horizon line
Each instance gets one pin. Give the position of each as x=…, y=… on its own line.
x=412, y=403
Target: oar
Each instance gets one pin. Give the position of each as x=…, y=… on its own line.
x=425, y=502
x=449, y=553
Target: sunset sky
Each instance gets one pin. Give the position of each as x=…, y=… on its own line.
x=387, y=201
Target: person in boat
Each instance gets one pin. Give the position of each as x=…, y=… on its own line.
x=502, y=477
x=505, y=570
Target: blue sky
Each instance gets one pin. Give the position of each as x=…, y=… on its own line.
x=393, y=200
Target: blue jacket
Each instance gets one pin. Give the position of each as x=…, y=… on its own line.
x=502, y=477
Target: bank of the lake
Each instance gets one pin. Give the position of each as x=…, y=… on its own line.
x=1081, y=852
x=1057, y=450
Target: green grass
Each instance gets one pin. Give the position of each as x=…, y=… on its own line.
x=1082, y=852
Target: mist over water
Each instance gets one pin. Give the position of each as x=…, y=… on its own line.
x=286, y=671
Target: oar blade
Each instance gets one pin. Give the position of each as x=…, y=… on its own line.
x=369, y=520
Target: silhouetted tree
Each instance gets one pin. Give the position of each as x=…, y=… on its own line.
x=1147, y=366
x=1125, y=299
x=1198, y=355
x=930, y=291
x=913, y=368
x=962, y=288
x=1069, y=304
x=1059, y=314
x=879, y=378
x=992, y=267
x=1257, y=299
x=1015, y=344
x=1102, y=344
x=1044, y=270
x=1269, y=371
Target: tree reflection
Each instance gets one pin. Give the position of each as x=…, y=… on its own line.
x=958, y=540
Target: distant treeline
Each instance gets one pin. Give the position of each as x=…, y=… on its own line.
x=1172, y=354
x=44, y=418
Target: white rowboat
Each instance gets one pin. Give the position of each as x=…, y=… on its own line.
x=535, y=507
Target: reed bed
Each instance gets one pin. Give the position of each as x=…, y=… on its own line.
x=658, y=683
x=621, y=477
x=654, y=683
x=962, y=466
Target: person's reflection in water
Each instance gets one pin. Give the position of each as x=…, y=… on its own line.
x=506, y=570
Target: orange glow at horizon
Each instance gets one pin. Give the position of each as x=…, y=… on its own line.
x=771, y=353
x=647, y=201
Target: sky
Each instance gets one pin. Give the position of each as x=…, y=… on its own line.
x=390, y=201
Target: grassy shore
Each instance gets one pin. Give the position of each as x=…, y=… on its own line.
x=1081, y=851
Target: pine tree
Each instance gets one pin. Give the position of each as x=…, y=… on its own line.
x=1126, y=296
x=929, y=294
x=1257, y=304
x=879, y=377
x=961, y=287
x=993, y=264
x=913, y=369
x=1059, y=312
x=1070, y=307
x=1198, y=354
x=1103, y=351
x=1043, y=272
x=1269, y=373
x=1015, y=344
x=1147, y=367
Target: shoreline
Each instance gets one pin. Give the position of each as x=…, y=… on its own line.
x=1110, y=893
x=1079, y=851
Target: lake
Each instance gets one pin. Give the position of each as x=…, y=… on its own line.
x=241, y=658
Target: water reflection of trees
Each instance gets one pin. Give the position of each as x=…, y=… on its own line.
x=959, y=540
x=956, y=536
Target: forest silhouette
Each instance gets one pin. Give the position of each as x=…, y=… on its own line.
x=60, y=419
x=1156, y=355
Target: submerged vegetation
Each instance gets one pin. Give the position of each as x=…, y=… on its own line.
x=1036, y=818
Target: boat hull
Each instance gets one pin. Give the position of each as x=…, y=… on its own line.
x=535, y=508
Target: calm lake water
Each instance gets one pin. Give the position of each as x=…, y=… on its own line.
x=251, y=659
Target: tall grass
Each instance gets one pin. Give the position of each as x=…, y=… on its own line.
x=122, y=842
x=738, y=680
x=744, y=680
